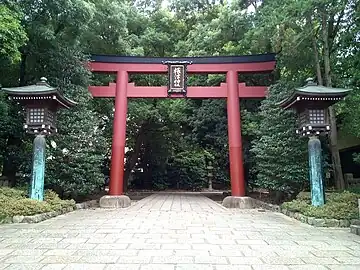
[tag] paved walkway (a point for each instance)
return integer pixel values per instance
(175, 232)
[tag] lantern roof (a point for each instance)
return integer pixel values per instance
(39, 91)
(312, 92)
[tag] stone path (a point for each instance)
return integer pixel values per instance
(176, 232)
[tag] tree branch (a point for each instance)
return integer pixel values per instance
(316, 52)
(333, 30)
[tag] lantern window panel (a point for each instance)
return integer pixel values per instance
(317, 116)
(36, 115)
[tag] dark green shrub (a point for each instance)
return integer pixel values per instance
(333, 210)
(12, 193)
(339, 205)
(296, 205)
(14, 202)
(354, 190)
(280, 155)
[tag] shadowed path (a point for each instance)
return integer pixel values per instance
(170, 231)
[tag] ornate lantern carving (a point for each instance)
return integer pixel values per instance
(41, 101)
(311, 103)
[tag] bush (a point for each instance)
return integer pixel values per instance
(296, 205)
(333, 210)
(280, 154)
(304, 196)
(14, 202)
(339, 205)
(354, 190)
(12, 193)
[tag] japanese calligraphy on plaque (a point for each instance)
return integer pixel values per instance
(177, 77)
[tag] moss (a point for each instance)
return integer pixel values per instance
(14, 202)
(339, 205)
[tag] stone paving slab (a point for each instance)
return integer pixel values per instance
(170, 231)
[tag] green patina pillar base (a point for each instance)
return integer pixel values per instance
(38, 169)
(316, 172)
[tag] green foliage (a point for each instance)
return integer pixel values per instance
(74, 161)
(354, 190)
(13, 193)
(169, 141)
(12, 34)
(14, 202)
(73, 167)
(280, 154)
(342, 205)
(190, 169)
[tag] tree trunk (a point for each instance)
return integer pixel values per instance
(317, 63)
(126, 179)
(147, 180)
(133, 158)
(316, 52)
(22, 71)
(10, 166)
(335, 156)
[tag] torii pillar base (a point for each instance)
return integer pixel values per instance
(111, 201)
(239, 202)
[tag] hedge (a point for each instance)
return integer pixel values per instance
(14, 202)
(339, 205)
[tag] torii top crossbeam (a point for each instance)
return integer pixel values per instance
(208, 65)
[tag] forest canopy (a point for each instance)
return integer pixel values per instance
(173, 143)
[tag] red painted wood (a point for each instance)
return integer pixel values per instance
(194, 68)
(234, 132)
(116, 186)
(207, 92)
(232, 90)
(252, 91)
(103, 91)
(193, 91)
(146, 91)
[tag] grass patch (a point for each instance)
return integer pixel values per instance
(14, 202)
(339, 205)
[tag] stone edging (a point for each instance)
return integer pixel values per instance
(87, 204)
(44, 216)
(316, 222)
(355, 229)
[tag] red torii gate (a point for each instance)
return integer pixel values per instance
(231, 89)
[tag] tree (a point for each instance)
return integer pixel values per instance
(12, 34)
(305, 34)
(55, 30)
(280, 155)
(74, 161)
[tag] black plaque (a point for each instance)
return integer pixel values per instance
(177, 77)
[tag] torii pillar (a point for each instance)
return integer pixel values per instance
(234, 134)
(237, 198)
(116, 198)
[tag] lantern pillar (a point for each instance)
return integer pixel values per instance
(38, 169)
(316, 171)
(41, 101)
(116, 199)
